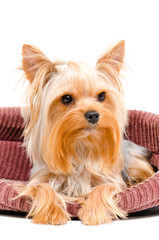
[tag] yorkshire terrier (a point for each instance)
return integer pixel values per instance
(75, 123)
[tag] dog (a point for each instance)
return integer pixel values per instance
(75, 120)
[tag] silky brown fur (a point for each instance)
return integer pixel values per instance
(74, 160)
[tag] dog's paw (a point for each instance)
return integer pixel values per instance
(100, 207)
(93, 216)
(59, 218)
(56, 216)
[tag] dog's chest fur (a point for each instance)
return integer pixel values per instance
(73, 185)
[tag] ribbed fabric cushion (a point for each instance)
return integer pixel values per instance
(11, 124)
(143, 129)
(14, 163)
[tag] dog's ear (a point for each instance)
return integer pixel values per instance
(34, 62)
(112, 58)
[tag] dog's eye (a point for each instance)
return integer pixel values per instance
(101, 96)
(67, 99)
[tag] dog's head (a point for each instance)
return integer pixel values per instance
(77, 112)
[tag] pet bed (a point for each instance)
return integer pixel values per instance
(143, 129)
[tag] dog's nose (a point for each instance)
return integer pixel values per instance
(92, 116)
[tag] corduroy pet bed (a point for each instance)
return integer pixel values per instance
(143, 129)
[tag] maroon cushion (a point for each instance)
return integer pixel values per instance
(143, 129)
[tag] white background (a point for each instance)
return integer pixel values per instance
(72, 29)
(82, 29)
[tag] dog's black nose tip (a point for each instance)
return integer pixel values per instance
(92, 116)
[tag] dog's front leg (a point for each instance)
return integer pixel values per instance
(100, 206)
(48, 207)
